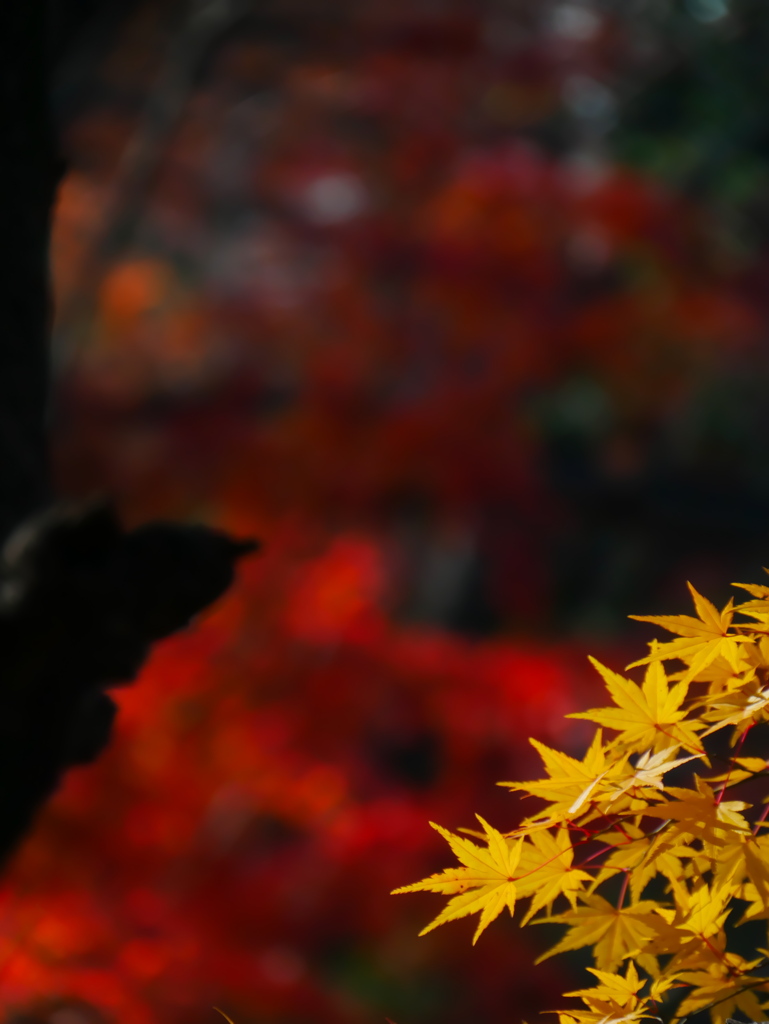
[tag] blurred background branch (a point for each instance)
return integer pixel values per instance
(192, 28)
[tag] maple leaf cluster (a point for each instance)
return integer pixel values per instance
(226, 850)
(371, 314)
(655, 876)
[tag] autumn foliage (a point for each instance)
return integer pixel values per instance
(228, 848)
(656, 876)
(391, 306)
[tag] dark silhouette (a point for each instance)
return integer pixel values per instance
(29, 171)
(80, 604)
(81, 601)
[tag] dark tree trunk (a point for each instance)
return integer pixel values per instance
(28, 175)
(81, 601)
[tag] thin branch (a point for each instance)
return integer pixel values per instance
(202, 23)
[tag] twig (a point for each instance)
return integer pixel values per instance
(203, 22)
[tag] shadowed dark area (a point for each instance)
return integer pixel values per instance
(80, 600)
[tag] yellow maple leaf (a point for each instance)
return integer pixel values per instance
(756, 589)
(630, 846)
(722, 983)
(701, 640)
(757, 908)
(671, 858)
(612, 988)
(741, 768)
(545, 871)
(703, 845)
(484, 883)
(700, 813)
(647, 716)
(648, 774)
(571, 783)
(758, 609)
(613, 933)
(746, 858)
(596, 1017)
(705, 909)
(613, 998)
(750, 702)
(643, 857)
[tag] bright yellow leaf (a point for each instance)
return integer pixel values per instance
(545, 871)
(702, 640)
(700, 813)
(612, 988)
(614, 934)
(484, 883)
(706, 909)
(572, 784)
(746, 858)
(758, 609)
(721, 980)
(749, 703)
(647, 774)
(647, 716)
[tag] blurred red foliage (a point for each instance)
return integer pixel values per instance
(271, 781)
(458, 382)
